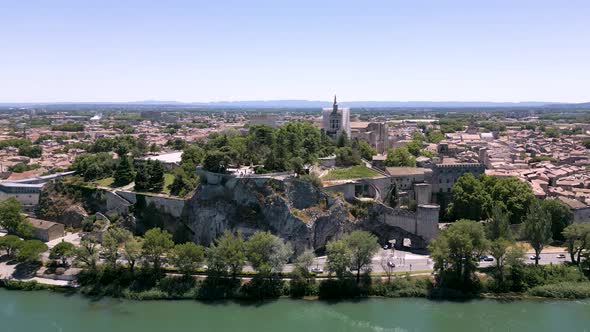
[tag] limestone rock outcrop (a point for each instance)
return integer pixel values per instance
(292, 209)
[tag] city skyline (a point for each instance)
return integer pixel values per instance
(501, 51)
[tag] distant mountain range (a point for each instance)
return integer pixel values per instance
(316, 104)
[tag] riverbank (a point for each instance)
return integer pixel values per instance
(255, 288)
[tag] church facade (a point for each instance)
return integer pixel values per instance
(336, 119)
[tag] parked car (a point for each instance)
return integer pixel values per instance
(390, 263)
(486, 258)
(561, 256)
(533, 257)
(317, 269)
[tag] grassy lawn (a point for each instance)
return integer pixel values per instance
(106, 182)
(168, 179)
(354, 172)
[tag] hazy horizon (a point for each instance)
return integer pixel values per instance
(203, 51)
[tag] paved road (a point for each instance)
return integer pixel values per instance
(408, 261)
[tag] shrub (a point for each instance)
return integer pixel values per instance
(260, 288)
(563, 290)
(402, 287)
(338, 289)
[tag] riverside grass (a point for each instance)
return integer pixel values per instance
(562, 290)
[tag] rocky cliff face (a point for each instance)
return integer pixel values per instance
(292, 209)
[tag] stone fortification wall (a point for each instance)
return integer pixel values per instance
(423, 222)
(120, 201)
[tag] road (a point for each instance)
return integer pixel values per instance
(408, 261)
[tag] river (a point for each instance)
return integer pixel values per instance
(41, 311)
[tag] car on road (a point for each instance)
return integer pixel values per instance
(533, 257)
(317, 269)
(486, 258)
(561, 256)
(390, 263)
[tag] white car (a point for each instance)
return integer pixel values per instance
(561, 256)
(533, 257)
(317, 270)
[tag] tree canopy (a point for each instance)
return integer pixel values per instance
(474, 198)
(353, 252)
(227, 254)
(537, 228)
(156, 243)
(400, 157)
(561, 217)
(456, 251)
(267, 253)
(12, 220)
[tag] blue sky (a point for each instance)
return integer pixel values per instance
(468, 50)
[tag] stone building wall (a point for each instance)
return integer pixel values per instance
(445, 175)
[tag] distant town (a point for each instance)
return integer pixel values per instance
(326, 192)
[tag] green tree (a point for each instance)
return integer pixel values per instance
(498, 249)
(342, 140)
(305, 260)
(339, 258)
(12, 220)
(471, 200)
(10, 244)
(346, 157)
(267, 253)
(418, 136)
(62, 251)
(154, 148)
(227, 254)
(400, 157)
(498, 226)
(561, 217)
(414, 147)
(362, 246)
(435, 136)
(393, 195)
(185, 180)
(142, 178)
(94, 165)
(156, 244)
(192, 154)
(511, 193)
(537, 228)
(296, 164)
(31, 151)
(187, 257)
(577, 240)
(456, 251)
(132, 251)
(122, 149)
(112, 240)
(156, 176)
(365, 149)
(30, 250)
(124, 172)
(216, 162)
(87, 253)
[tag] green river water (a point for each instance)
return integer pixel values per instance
(44, 312)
